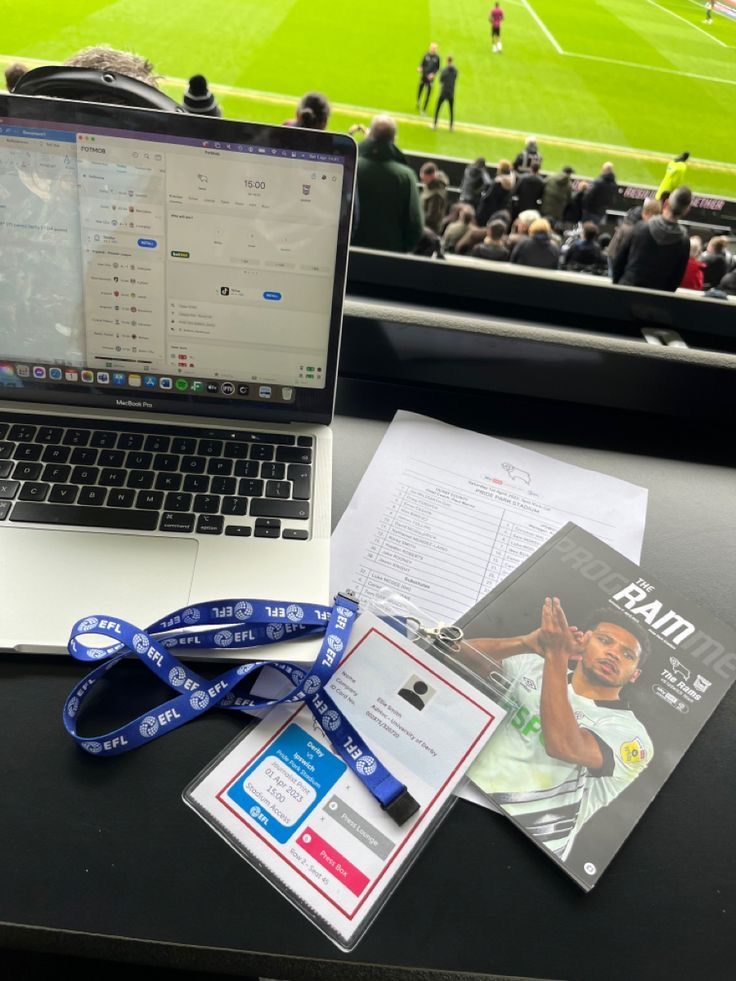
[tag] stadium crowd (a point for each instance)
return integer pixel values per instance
(518, 215)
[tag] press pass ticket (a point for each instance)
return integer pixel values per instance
(284, 799)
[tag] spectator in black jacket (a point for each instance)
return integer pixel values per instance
(475, 180)
(600, 196)
(493, 245)
(728, 283)
(538, 249)
(655, 254)
(313, 112)
(528, 156)
(528, 192)
(428, 68)
(496, 197)
(433, 195)
(715, 262)
(650, 209)
(584, 252)
(557, 194)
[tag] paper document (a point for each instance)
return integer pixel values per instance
(442, 515)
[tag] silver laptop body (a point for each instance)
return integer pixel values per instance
(171, 293)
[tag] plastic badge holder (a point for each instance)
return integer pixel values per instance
(340, 831)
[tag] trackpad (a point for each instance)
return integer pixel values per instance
(51, 578)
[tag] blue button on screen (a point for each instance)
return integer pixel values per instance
(147, 243)
(271, 296)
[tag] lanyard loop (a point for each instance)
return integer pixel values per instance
(229, 624)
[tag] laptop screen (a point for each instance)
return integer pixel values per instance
(165, 261)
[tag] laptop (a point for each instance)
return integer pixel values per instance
(171, 293)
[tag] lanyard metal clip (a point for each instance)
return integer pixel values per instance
(446, 634)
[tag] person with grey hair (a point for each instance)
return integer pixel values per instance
(656, 252)
(106, 59)
(390, 210)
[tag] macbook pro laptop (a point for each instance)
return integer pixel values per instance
(171, 292)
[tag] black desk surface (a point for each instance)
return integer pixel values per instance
(102, 859)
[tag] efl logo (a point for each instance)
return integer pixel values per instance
(297, 676)
(244, 669)
(149, 726)
(275, 631)
(294, 613)
(331, 721)
(92, 747)
(177, 677)
(312, 684)
(334, 643)
(243, 610)
(141, 643)
(199, 700)
(94, 653)
(223, 638)
(190, 615)
(344, 611)
(72, 707)
(366, 765)
(87, 624)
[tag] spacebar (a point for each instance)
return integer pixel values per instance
(68, 514)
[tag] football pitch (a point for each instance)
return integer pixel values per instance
(633, 81)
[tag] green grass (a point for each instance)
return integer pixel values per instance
(583, 104)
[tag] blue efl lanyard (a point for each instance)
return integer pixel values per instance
(232, 624)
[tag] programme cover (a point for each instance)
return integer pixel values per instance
(614, 675)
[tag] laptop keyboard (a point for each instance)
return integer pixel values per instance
(100, 474)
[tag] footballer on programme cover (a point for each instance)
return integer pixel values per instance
(612, 676)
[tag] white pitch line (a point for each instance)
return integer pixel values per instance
(689, 23)
(651, 68)
(542, 26)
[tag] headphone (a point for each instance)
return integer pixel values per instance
(92, 85)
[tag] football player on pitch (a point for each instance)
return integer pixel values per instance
(428, 68)
(573, 744)
(495, 16)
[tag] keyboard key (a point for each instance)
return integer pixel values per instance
(111, 477)
(157, 444)
(206, 504)
(4, 509)
(61, 514)
(6, 450)
(210, 524)
(178, 502)
(279, 509)
(139, 461)
(32, 491)
(27, 451)
(245, 468)
(193, 464)
(304, 441)
(130, 441)
(182, 444)
(121, 498)
(56, 473)
(219, 467)
(280, 438)
(210, 447)
(176, 522)
(49, 434)
(238, 531)
(4, 427)
(293, 454)
(76, 437)
(301, 481)
(8, 489)
(149, 500)
(278, 488)
(103, 439)
(22, 433)
(237, 451)
(223, 485)
(234, 505)
(85, 475)
(63, 494)
(197, 482)
(85, 455)
(166, 461)
(299, 534)
(265, 531)
(250, 488)
(56, 454)
(92, 495)
(273, 471)
(27, 471)
(111, 458)
(142, 479)
(5, 467)
(168, 481)
(262, 451)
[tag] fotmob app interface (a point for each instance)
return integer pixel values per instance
(208, 260)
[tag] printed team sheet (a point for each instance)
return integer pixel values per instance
(443, 514)
(289, 804)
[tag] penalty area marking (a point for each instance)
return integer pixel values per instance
(689, 23)
(542, 26)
